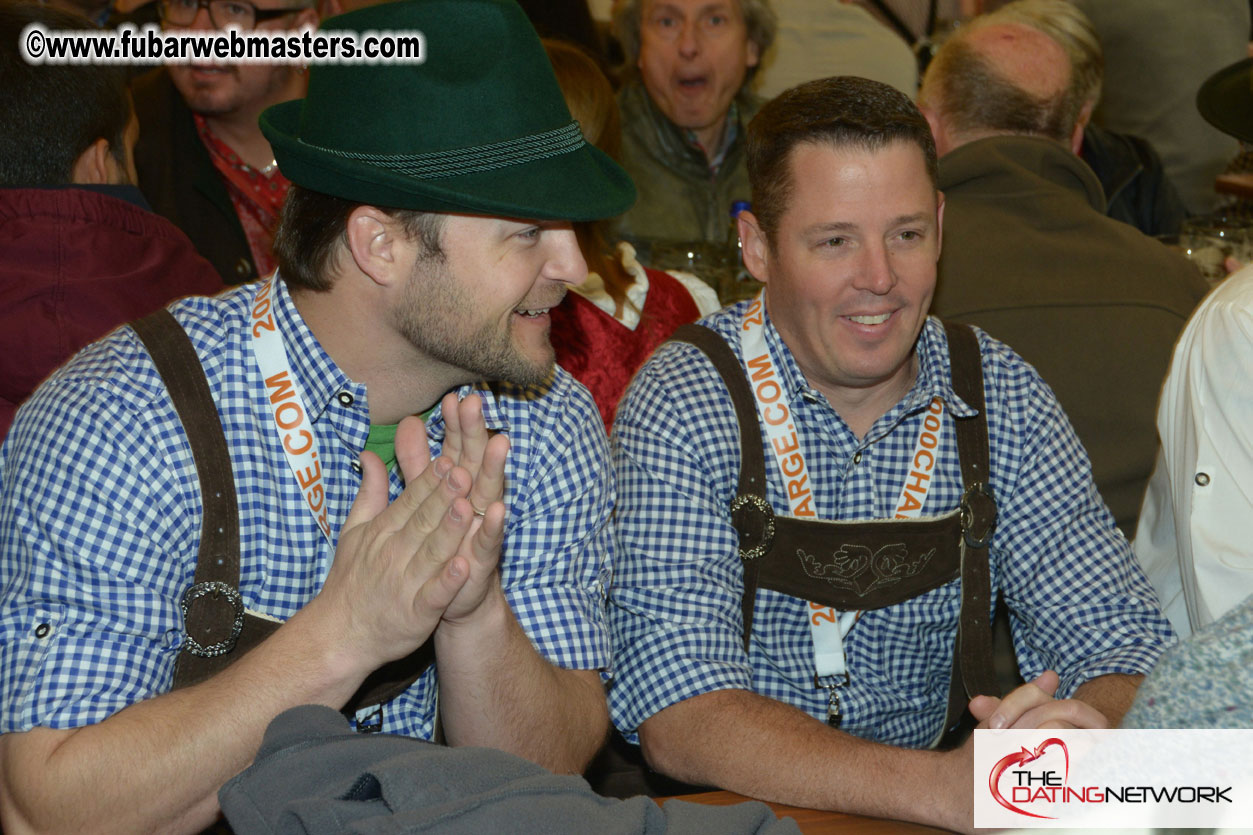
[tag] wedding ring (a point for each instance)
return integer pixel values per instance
(477, 512)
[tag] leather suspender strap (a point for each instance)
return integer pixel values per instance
(218, 629)
(213, 611)
(972, 657)
(212, 608)
(973, 654)
(756, 528)
(753, 471)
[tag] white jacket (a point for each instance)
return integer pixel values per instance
(1195, 535)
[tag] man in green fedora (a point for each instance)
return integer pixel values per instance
(425, 239)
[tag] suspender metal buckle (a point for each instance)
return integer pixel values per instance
(218, 590)
(754, 518)
(978, 515)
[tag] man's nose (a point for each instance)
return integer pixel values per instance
(202, 20)
(689, 39)
(876, 273)
(565, 262)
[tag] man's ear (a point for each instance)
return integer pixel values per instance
(375, 244)
(92, 166)
(1076, 137)
(754, 246)
(753, 51)
(938, 131)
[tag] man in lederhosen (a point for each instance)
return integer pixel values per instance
(425, 238)
(800, 612)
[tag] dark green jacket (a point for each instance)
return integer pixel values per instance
(678, 198)
(1030, 256)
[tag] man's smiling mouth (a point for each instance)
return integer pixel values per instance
(877, 319)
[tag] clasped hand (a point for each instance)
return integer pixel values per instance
(1032, 706)
(1029, 706)
(431, 554)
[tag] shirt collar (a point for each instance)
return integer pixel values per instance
(317, 374)
(494, 416)
(667, 140)
(593, 289)
(730, 131)
(794, 382)
(935, 372)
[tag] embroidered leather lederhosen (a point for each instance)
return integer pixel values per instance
(218, 629)
(853, 566)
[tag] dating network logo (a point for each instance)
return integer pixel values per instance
(1033, 785)
(1111, 778)
(1034, 779)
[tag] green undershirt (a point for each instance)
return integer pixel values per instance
(382, 440)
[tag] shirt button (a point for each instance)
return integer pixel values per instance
(356, 466)
(1202, 479)
(857, 458)
(43, 630)
(344, 398)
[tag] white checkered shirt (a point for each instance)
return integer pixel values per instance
(1079, 603)
(100, 516)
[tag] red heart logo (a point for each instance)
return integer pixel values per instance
(1023, 757)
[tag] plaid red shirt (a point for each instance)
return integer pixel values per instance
(257, 196)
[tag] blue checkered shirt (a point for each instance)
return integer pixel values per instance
(100, 516)
(1079, 603)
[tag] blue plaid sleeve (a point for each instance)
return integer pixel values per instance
(559, 545)
(1078, 600)
(88, 617)
(675, 602)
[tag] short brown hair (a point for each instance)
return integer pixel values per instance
(843, 111)
(54, 112)
(312, 226)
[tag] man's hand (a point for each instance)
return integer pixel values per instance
(467, 444)
(398, 566)
(1032, 706)
(495, 688)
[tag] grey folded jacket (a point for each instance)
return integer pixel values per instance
(314, 776)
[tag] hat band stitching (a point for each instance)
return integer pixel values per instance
(452, 163)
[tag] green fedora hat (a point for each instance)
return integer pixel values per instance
(479, 127)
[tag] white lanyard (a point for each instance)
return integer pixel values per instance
(286, 405)
(922, 464)
(827, 627)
